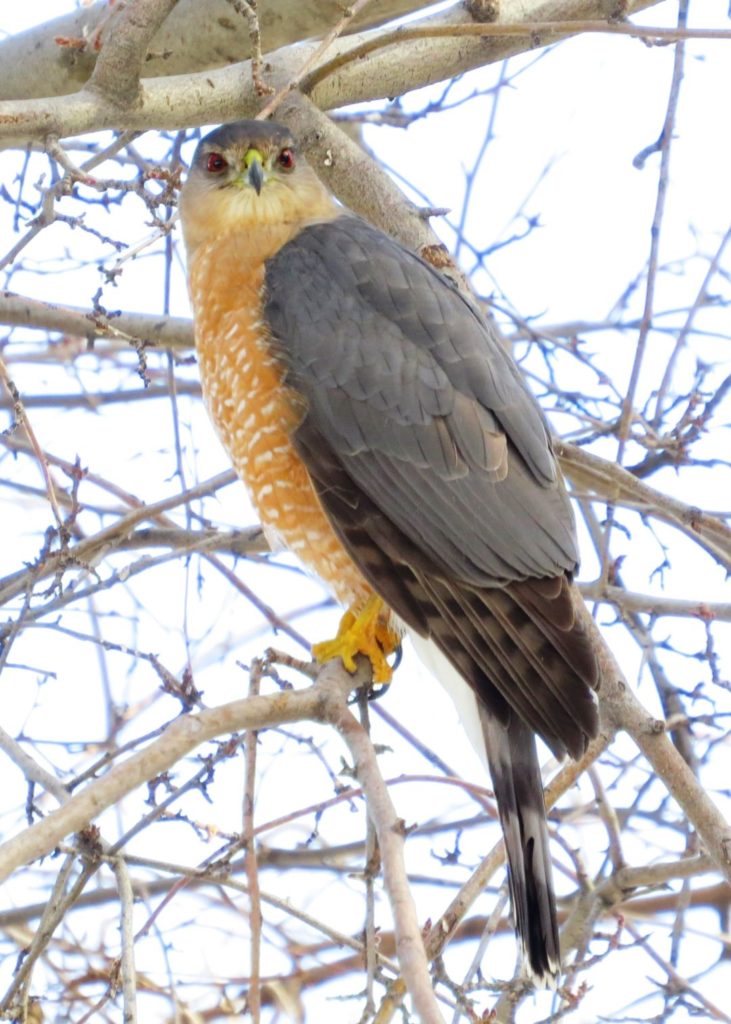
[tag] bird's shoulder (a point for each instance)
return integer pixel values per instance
(356, 310)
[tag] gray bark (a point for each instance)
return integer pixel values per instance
(198, 34)
(228, 93)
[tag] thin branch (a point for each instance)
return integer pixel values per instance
(540, 33)
(371, 869)
(250, 855)
(30, 768)
(706, 611)
(391, 831)
(127, 959)
(664, 144)
(21, 419)
(164, 332)
(249, 10)
(610, 482)
(678, 983)
(621, 708)
(297, 78)
(89, 551)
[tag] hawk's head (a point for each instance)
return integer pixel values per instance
(249, 174)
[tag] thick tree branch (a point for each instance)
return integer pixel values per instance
(360, 183)
(119, 65)
(229, 93)
(57, 57)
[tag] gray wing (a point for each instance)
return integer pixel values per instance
(434, 465)
(433, 462)
(415, 394)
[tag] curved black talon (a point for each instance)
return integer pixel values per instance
(376, 692)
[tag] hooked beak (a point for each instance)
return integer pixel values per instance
(254, 169)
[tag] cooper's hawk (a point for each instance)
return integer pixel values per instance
(389, 441)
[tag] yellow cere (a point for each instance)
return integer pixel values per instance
(252, 155)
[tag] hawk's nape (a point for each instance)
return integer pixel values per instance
(418, 446)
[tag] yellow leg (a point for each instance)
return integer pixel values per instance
(365, 633)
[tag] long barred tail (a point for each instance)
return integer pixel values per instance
(516, 778)
(509, 754)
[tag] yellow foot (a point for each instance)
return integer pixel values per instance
(366, 633)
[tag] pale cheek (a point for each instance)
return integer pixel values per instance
(208, 211)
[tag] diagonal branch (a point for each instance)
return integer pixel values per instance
(117, 73)
(621, 709)
(611, 482)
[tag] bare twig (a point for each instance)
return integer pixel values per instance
(22, 421)
(127, 958)
(329, 38)
(249, 10)
(250, 854)
(664, 145)
(173, 332)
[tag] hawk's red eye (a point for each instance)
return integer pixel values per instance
(286, 159)
(216, 163)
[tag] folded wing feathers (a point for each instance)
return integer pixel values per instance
(434, 464)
